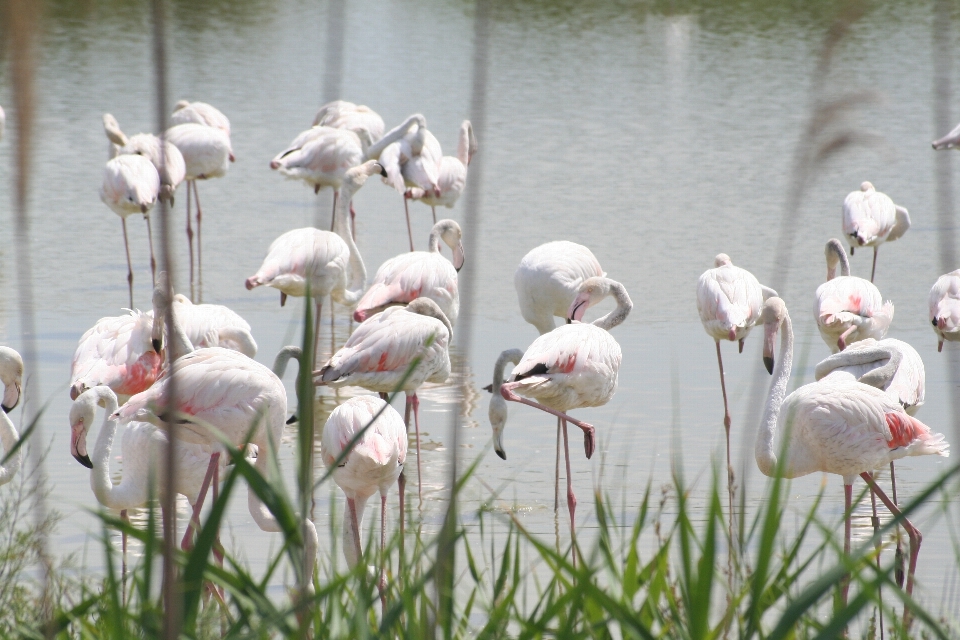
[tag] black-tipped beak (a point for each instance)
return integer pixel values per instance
(383, 172)
(768, 363)
(292, 419)
(84, 460)
(157, 345)
(6, 409)
(489, 388)
(502, 454)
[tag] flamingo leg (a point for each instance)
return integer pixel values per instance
(556, 483)
(414, 402)
(589, 432)
(196, 197)
(316, 330)
(914, 534)
(726, 426)
(333, 214)
(434, 209)
(847, 501)
(382, 584)
(352, 506)
(898, 557)
(571, 498)
(402, 486)
(190, 234)
(353, 222)
(406, 209)
(126, 246)
(153, 261)
(123, 561)
(217, 547)
(187, 543)
(874, 269)
(878, 546)
(842, 340)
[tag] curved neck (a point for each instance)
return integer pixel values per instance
(240, 337)
(9, 438)
(129, 492)
(466, 145)
(280, 363)
(839, 256)
(512, 356)
(765, 451)
(261, 515)
(351, 534)
(882, 376)
(618, 315)
(433, 242)
(393, 135)
(356, 270)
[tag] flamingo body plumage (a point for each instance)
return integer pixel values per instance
(185, 112)
(870, 218)
(131, 185)
(548, 279)
(944, 304)
(729, 300)
(11, 375)
(452, 176)
(360, 119)
(116, 352)
(206, 151)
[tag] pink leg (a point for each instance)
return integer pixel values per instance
(434, 209)
(187, 543)
(415, 403)
(556, 482)
(190, 183)
(726, 426)
(898, 557)
(196, 197)
(406, 209)
(571, 499)
(402, 486)
(217, 547)
(842, 340)
(333, 215)
(382, 584)
(873, 271)
(940, 346)
(589, 437)
(316, 330)
(353, 222)
(153, 261)
(914, 534)
(848, 501)
(878, 545)
(126, 246)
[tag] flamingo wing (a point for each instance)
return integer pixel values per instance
(206, 151)
(116, 352)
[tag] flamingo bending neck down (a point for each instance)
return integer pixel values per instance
(11, 375)
(374, 463)
(870, 218)
(166, 158)
(419, 274)
(944, 303)
(836, 425)
(452, 178)
(573, 366)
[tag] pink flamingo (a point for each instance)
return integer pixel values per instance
(944, 302)
(116, 352)
(199, 113)
(359, 118)
(870, 218)
(380, 353)
(453, 174)
(11, 375)
(169, 164)
(419, 274)
(848, 308)
(729, 300)
(373, 463)
(836, 425)
(573, 366)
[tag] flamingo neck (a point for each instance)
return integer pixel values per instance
(280, 363)
(765, 451)
(349, 533)
(463, 144)
(129, 492)
(836, 255)
(618, 315)
(374, 151)
(240, 337)
(9, 438)
(261, 515)
(356, 270)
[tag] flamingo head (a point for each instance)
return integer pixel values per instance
(452, 237)
(82, 413)
(592, 291)
(772, 315)
(721, 260)
(11, 374)
(498, 420)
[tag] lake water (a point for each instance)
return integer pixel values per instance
(656, 134)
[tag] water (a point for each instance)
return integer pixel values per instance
(658, 137)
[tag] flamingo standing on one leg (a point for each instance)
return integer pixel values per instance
(326, 263)
(453, 174)
(131, 185)
(836, 425)
(870, 218)
(11, 375)
(373, 463)
(729, 300)
(419, 274)
(380, 353)
(944, 302)
(573, 366)
(848, 308)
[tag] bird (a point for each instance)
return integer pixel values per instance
(364, 444)
(729, 300)
(131, 185)
(573, 366)
(949, 141)
(207, 153)
(11, 375)
(453, 174)
(169, 164)
(322, 155)
(319, 262)
(944, 304)
(836, 425)
(381, 354)
(848, 308)
(870, 218)
(548, 279)
(199, 113)
(361, 119)
(419, 274)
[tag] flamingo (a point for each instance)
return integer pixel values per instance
(848, 308)
(573, 366)
(131, 185)
(323, 262)
(361, 119)
(380, 353)
(419, 274)
(870, 218)
(949, 141)
(116, 352)
(549, 278)
(729, 300)
(944, 304)
(836, 425)
(11, 375)
(200, 113)
(322, 155)
(207, 153)
(453, 174)
(169, 164)
(374, 462)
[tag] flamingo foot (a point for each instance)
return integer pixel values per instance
(589, 432)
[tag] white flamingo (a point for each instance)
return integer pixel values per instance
(131, 185)
(117, 352)
(836, 425)
(380, 353)
(11, 375)
(169, 164)
(848, 308)
(199, 113)
(573, 366)
(944, 302)
(359, 118)
(419, 274)
(207, 153)
(729, 300)
(453, 174)
(329, 263)
(322, 155)
(870, 218)
(374, 463)
(549, 278)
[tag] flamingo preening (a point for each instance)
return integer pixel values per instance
(870, 218)
(358, 118)
(11, 375)
(837, 425)
(944, 303)
(848, 308)
(166, 158)
(419, 274)
(452, 178)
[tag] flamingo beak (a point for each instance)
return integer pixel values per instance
(498, 445)
(233, 158)
(769, 339)
(78, 445)
(578, 307)
(11, 397)
(941, 323)
(458, 257)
